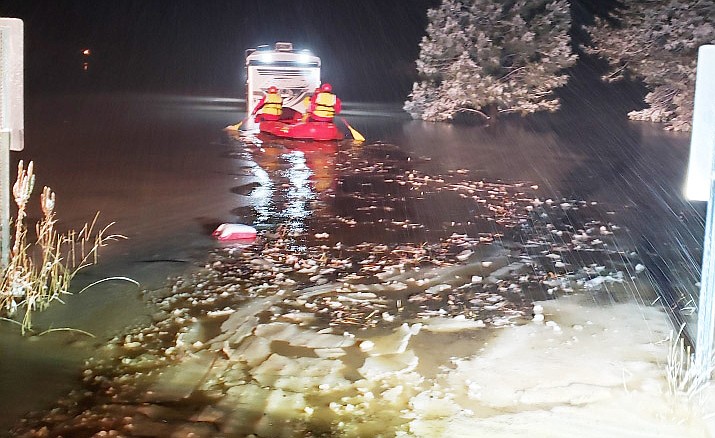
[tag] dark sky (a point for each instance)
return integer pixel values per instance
(368, 47)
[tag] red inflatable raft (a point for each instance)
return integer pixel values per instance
(319, 131)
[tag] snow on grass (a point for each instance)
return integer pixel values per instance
(589, 371)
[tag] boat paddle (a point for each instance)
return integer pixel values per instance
(356, 135)
(235, 127)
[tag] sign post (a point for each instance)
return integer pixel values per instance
(700, 187)
(12, 118)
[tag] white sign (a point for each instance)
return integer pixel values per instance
(12, 117)
(702, 139)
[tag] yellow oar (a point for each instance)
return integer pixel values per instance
(356, 135)
(235, 127)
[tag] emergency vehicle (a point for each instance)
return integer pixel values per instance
(296, 74)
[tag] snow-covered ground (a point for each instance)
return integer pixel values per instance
(586, 370)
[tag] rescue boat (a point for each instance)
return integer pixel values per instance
(299, 130)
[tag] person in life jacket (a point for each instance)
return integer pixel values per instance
(324, 105)
(270, 106)
(307, 102)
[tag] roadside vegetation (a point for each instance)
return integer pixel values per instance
(39, 272)
(491, 57)
(485, 57)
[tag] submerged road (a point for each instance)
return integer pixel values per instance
(161, 168)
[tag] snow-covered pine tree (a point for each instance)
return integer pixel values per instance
(479, 54)
(657, 40)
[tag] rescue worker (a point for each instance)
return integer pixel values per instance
(270, 105)
(324, 105)
(308, 102)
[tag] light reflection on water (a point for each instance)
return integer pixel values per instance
(289, 177)
(299, 193)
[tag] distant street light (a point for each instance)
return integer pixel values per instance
(85, 64)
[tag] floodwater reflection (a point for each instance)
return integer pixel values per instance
(290, 177)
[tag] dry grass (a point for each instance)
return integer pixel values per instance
(40, 272)
(683, 375)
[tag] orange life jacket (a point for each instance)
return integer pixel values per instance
(273, 105)
(325, 105)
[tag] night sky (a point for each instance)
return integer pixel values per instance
(368, 47)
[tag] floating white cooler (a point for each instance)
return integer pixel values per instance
(234, 232)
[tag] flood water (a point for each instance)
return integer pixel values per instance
(436, 280)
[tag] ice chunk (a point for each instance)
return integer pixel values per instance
(298, 374)
(295, 336)
(298, 317)
(395, 342)
(285, 404)
(330, 353)
(242, 321)
(464, 255)
(181, 380)
(432, 404)
(446, 325)
(311, 339)
(244, 405)
(438, 288)
(252, 352)
(378, 367)
(277, 331)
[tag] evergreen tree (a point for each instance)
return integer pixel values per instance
(480, 54)
(657, 40)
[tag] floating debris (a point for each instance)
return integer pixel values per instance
(310, 333)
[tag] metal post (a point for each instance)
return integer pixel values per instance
(700, 186)
(12, 118)
(4, 199)
(706, 301)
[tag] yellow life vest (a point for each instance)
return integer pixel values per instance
(325, 105)
(273, 105)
